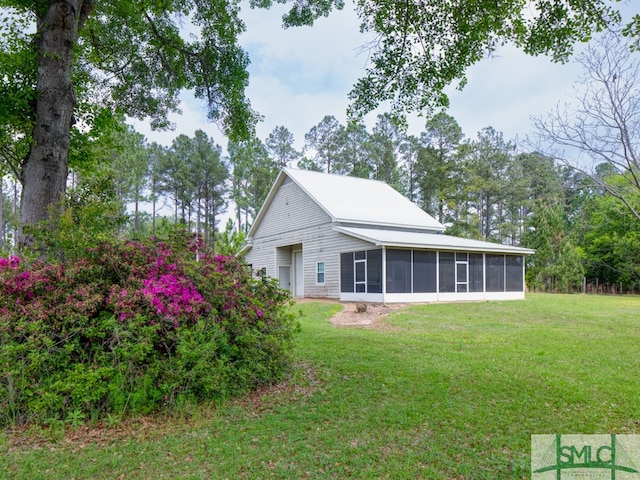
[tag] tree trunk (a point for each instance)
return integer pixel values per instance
(238, 215)
(487, 221)
(44, 174)
(212, 237)
(136, 218)
(153, 217)
(198, 218)
(2, 233)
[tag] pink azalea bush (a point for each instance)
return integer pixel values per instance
(133, 327)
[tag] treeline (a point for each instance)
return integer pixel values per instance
(482, 187)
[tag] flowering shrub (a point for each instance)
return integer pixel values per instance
(135, 326)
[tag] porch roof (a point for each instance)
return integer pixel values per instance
(424, 240)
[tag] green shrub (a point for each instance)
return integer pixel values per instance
(134, 327)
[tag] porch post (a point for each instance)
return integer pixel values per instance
(384, 274)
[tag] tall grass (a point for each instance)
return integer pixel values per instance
(437, 392)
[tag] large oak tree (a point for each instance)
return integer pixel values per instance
(65, 60)
(62, 60)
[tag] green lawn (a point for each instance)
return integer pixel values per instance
(441, 392)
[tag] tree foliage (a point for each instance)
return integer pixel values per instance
(325, 140)
(252, 176)
(436, 163)
(280, 147)
(611, 238)
(419, 48)
(68, 62)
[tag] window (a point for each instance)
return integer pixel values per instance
(320, 273)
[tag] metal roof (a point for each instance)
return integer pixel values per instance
(362, 201)
(398, 238)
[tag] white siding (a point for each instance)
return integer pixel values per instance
(293, 221)
(319, 244)
(325, 245)
(290, 211)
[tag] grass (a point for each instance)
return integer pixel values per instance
(441, 392)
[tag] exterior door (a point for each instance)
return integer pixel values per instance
(284, 277)
(299, 284)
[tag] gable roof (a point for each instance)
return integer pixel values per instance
(355, 200)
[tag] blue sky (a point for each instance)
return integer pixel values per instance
(299, 75)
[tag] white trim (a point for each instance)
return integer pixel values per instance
(430, 297)
(356, 261)
(361, 297)
(298, 290)
(437, 270)
(384, 274)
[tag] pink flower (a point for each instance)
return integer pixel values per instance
(11, 262)
(173, 296)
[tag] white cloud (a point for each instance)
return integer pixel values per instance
(506, 91)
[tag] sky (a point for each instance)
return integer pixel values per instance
(299, 75)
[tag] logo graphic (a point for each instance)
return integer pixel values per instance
(585, 457)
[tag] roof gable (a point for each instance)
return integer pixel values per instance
(362, 201)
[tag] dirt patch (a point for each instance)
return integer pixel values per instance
(352, 315)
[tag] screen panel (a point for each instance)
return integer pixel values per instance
(515, 282)
(424, 271)
(346, 273)
(495, 273)
(447, 270)
(374, 271)
(476, 272)
(398, 271)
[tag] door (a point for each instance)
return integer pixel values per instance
(299, 283)
(284, 277)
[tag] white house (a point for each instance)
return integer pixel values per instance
(355, 239)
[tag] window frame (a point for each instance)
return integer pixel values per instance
(323, 273)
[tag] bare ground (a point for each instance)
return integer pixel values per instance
(350, 316)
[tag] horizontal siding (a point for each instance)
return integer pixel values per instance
(319, 244)
(290, 211)
(326, 246)
(262, 256)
